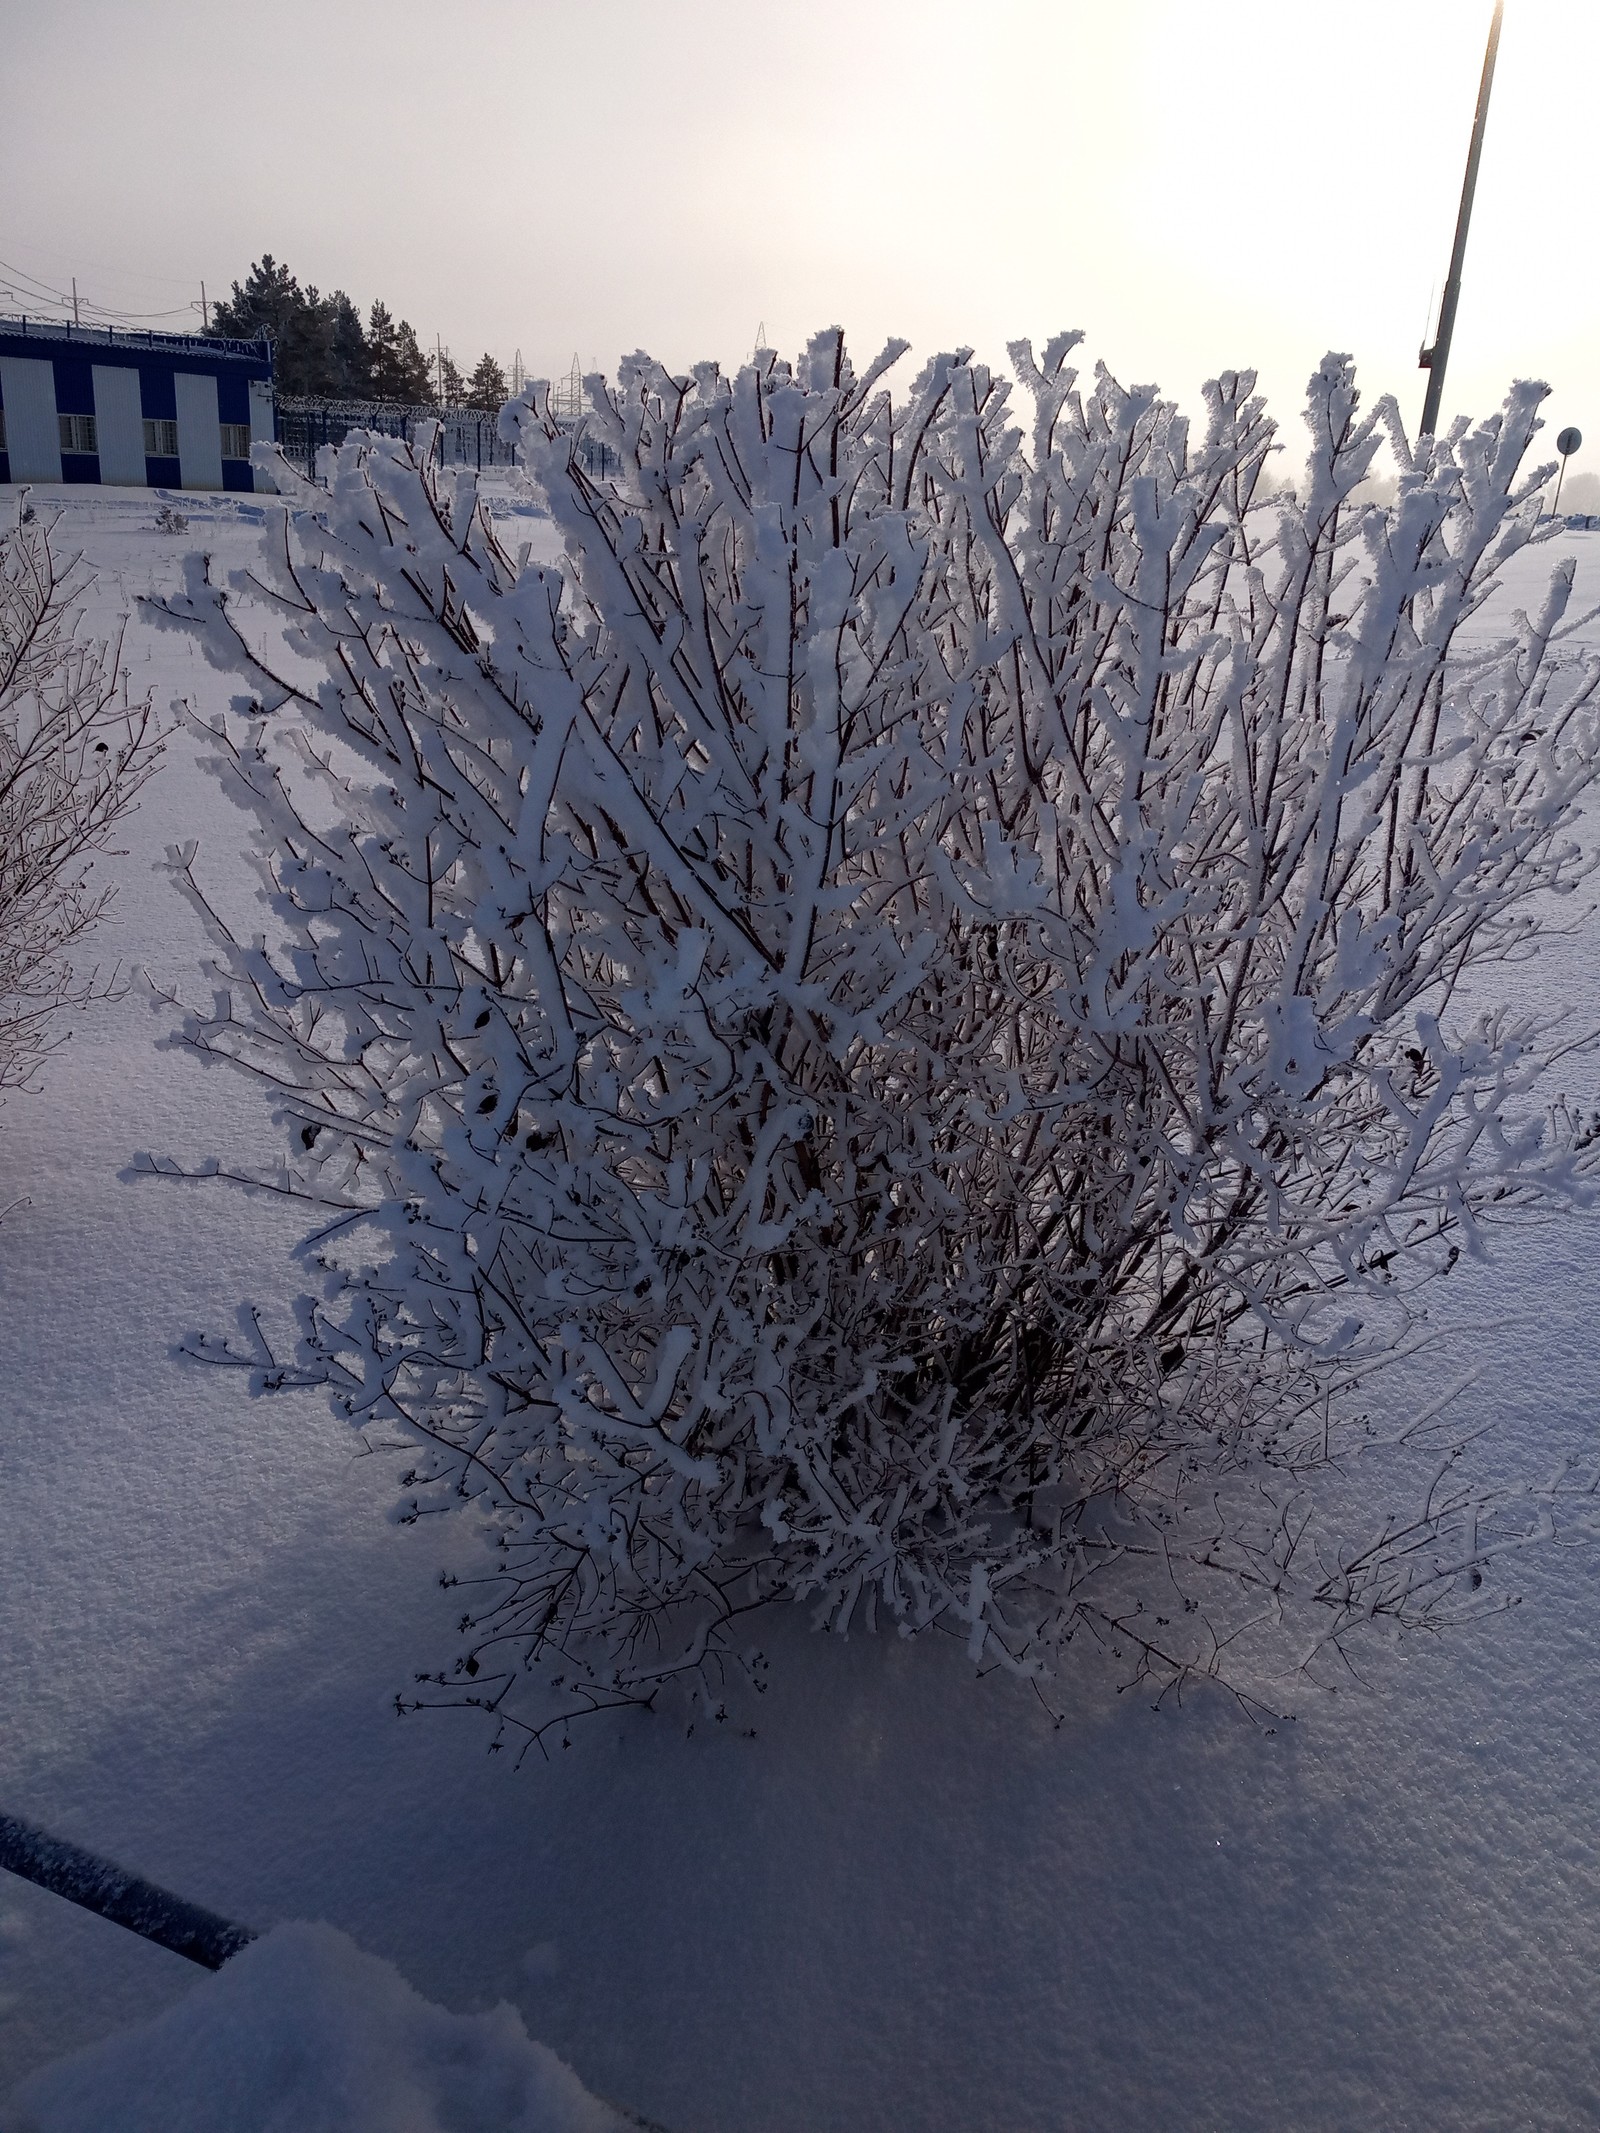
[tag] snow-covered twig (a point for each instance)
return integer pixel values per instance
(74, 754)
(897, 1020)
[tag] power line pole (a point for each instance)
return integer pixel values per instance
(1434, 359)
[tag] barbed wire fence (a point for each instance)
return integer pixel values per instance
(464, 436)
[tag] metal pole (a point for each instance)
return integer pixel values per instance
(1434, 359)
(126, 1899)
(1569, 441)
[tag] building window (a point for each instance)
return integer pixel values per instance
(236, 440)
(77, 433)
(160, 440)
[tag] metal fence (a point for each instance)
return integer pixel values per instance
(465, 436)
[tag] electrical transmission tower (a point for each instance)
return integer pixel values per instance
(566, 395)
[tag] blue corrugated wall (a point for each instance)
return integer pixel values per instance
(72, 368)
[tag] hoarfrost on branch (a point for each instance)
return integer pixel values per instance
(900, 1032)
(74, 753)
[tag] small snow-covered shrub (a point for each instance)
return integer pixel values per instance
(73, 757)
(896, 1031)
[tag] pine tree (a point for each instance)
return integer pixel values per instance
(452, 385)
(314, 327)
(269, 298)
(383, 360)
(414, 371)
(350, 366)
(271, 302)
(320, 347)
(487, 386)
(399, 369)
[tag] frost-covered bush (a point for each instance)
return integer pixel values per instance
(891, 1035)
(73, 756)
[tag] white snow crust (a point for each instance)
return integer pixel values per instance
(913, 1898)
(304, 2033)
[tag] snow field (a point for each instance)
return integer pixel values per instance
(913, 1898)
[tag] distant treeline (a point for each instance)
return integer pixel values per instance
(323, 351)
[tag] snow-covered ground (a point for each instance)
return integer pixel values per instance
(913, 1899)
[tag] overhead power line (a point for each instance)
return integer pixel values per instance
(28, 289)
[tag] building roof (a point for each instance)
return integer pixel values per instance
(41, 337)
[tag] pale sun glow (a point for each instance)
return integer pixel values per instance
(1199, 185)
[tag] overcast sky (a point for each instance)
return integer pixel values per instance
(1199, 183)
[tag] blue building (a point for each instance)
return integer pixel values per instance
(143, 410)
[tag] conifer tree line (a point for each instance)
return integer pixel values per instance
(323, 351)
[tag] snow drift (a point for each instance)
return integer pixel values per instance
(306, 2033)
